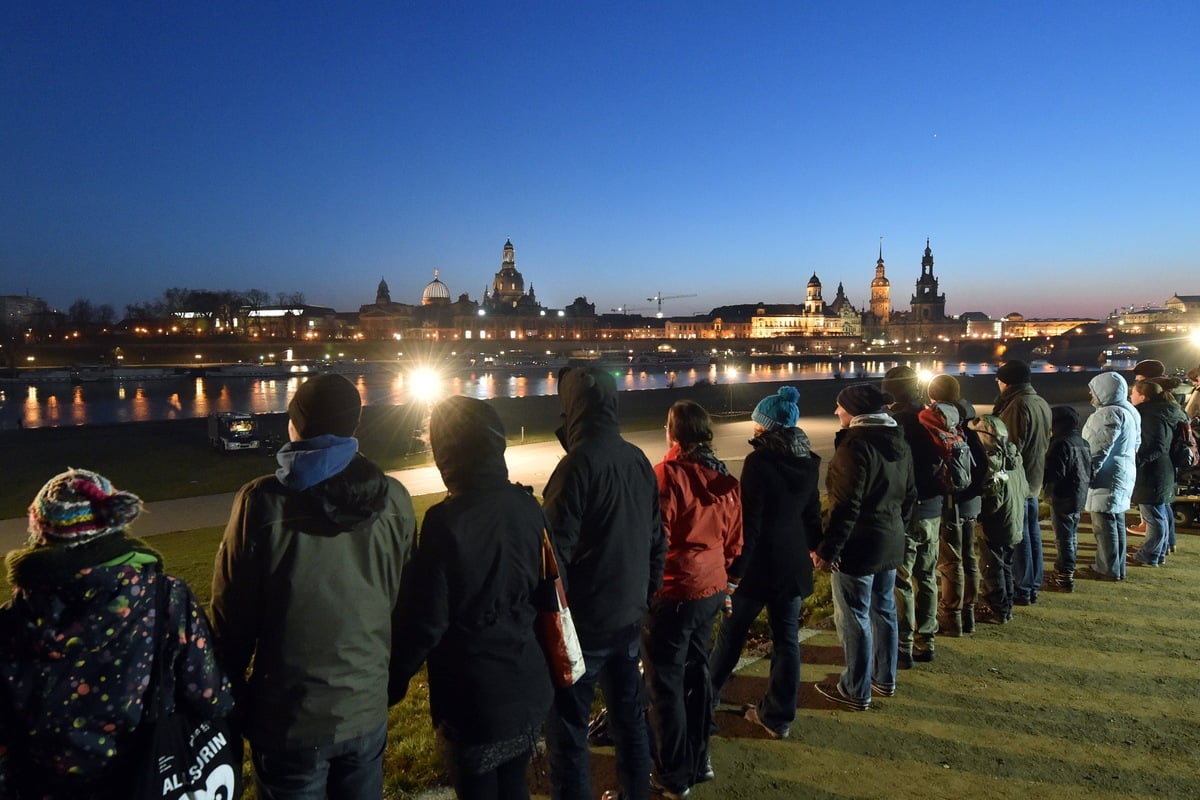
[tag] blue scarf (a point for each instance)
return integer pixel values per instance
(307, 462)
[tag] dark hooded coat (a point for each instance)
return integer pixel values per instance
(781, 513)
(306, 583)
(872, 495)
(1068, 462)
(1155, 481)
(467, 606)
(602, 505)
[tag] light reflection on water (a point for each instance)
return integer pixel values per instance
(63, 404)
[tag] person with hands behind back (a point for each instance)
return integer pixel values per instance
(872, 494)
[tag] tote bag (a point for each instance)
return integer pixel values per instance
(555, 630)
(185, 758)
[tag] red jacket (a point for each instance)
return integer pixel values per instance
(702, 515)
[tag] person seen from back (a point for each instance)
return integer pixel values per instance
(1068, 472)
(1001, 512)
(467, 608)
(1113, 434)
(781, 515)
(872, 496)
(79, 642)
(1154, 486)
(701, 507)
(305, 586)
(602, 505)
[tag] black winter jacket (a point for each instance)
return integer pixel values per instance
(1068, 462)
(781, 516)
(602, 505)
(1155, 482)
(872, 494)
(467, 598)
(926, 461)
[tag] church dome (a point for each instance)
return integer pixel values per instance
(814, 280)
(435, 292)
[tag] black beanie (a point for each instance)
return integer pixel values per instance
(901, 383)
(864, 398)
(1014, 372)
(325, 404)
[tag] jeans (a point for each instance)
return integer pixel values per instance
(1066, 534)
(1159, 518)
(958, 568)
(1109, 528)
(917, 586)
(864, 611)
(613, 664)
(778, 706)
(996, 573)
(349, 770)
(1028, 566)
(675, 651)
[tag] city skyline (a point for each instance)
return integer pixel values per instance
(626, 151)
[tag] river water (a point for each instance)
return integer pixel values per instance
(62, 404)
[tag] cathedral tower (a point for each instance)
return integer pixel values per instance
(927, 304)
(508, 287)
(881, 292)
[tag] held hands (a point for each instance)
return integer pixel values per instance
(730, 588)
(822, 564)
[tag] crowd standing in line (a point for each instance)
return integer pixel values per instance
(649, 556)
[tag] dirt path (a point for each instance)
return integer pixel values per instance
(1092, 694)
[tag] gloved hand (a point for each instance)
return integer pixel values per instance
(730, 588)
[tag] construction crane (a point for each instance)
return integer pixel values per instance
(627, 309)
(658, 298)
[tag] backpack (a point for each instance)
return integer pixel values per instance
(941, 422)
(1183, 451)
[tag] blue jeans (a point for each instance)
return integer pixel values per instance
(613, 664)
(1159, 519)
(676, 644)
(864, 611)
(917, 586)
(778, 705)
(1109, 528)
(1066, 534)
(1028, 566)
(349, 770)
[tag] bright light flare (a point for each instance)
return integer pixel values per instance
(425, 384)
(925, 375)
(1195, 337)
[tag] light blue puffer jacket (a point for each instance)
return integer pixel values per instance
(1113, 433)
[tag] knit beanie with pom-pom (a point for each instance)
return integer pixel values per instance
(780, 410)
(77, 507)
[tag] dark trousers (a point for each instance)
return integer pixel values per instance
(505, 782)
(1066, 533)
(778, 705)
(996, 574)
(675, 650)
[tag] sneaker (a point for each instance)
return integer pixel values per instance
(951, 625)
(880, 690)
(989, 616)
(1022, 601)
(780, 732)
(924, 656)
(1137, 530)
(662, 791)
(706, 772)
(904, 660)
(1134, 561)
(834, 692)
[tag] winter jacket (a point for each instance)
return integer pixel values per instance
(872, 494)
(602, 505)
(77, 648)
(1113, 433)
(1002, 513)
(781, 514)
(1155, 481)
(926, 459)
(306, 583)
(969, 501)
(701, 506)
(467, 606)
(1027, 417)
(1068, 462)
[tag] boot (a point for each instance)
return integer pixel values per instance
(949, 624)
(968, 619)
(1065, 580)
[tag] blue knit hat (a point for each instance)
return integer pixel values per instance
(780, 410)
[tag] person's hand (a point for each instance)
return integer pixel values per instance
(730, 588)
(822, 564)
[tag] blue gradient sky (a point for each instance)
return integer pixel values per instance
(727, 150)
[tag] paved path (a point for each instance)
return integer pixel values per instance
(530, 464)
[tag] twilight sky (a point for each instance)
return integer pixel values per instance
(1049, 150)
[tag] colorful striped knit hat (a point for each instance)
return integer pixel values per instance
(77, 507)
